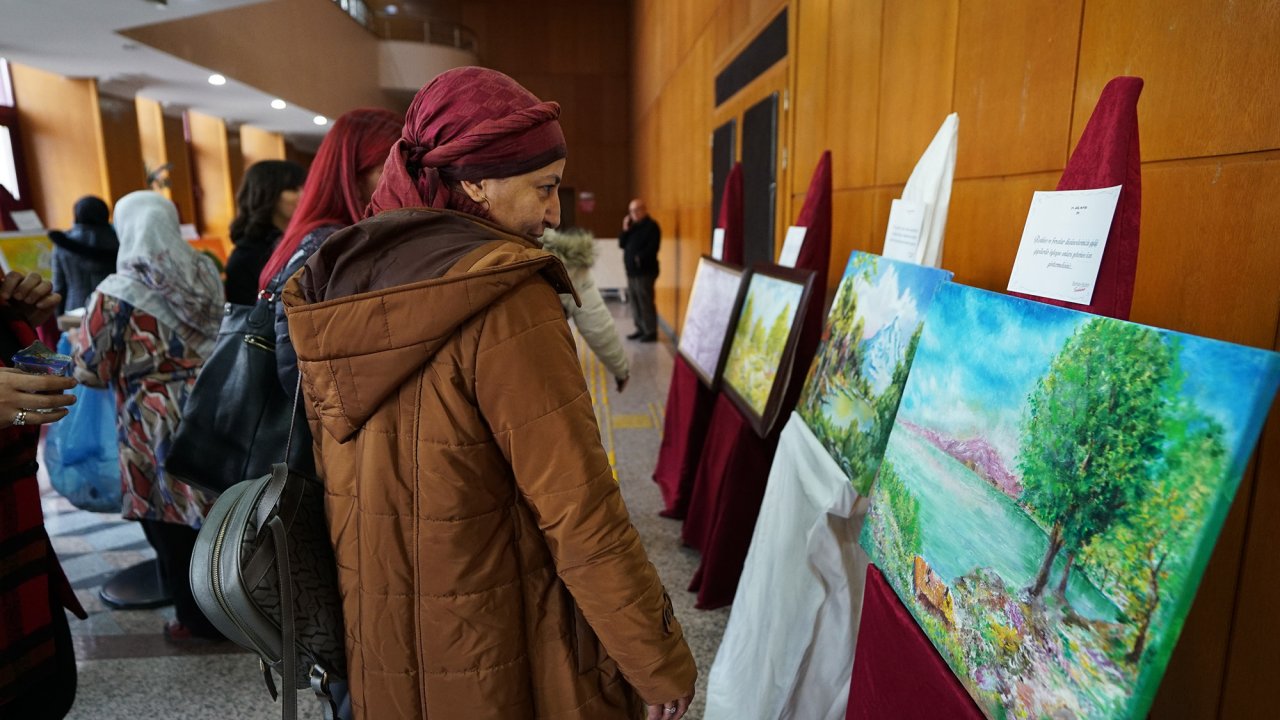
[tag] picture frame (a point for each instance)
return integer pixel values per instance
(758, 366)
(710, 317)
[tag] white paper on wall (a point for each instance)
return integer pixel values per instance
(930, 183)
(906, 225)
(791, 246)
(805, 557)
(1062, 244)
(26, 220)
(717, 244)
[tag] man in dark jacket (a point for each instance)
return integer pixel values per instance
(639, 240)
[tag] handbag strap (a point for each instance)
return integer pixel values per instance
(280, 471)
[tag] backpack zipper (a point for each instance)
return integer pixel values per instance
(217, 584)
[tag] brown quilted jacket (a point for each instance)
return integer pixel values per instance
(487, 563)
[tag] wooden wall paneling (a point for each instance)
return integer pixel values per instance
(984, 226)
(1209, 260)
(151, 133)
(257, 145)
(693, 225)
(853, 91)
(61, 140)
(181, 180)
(212, 174)
(1015, 70)
(917, 74)
(810, 50)
(851, 218)
(1250, 682)
(122, 145)
(1212, 79)
(235, 160)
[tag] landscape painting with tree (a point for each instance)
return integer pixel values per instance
(851, 395)
(762, 349)
(712, 303)
(1053, 487)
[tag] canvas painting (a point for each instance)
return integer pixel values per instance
(1053, 487)
(851, 395)
(712, 303)
(760, 352)
(26, 253)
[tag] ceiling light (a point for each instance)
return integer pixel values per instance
(216, 79)
(320, 120)
(279, 104)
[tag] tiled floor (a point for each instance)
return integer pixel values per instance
(129, 672)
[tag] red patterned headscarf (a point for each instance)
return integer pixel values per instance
(469, 123)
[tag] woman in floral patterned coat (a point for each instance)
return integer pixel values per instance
(146, 332)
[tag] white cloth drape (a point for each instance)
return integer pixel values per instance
(930, 183)
(788, 648)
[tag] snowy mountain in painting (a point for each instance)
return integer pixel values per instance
(883, 351)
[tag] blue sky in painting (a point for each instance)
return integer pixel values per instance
(894, 290)
(982, 353)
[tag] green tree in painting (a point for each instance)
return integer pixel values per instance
(776, 341)
(1139, 555)
(1092, 431)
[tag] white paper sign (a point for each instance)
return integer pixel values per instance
(188, 231)
(906, 227)
(791, 246)
(717, 243)
(26, 220)
(1062, 244)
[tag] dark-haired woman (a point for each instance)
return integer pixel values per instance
(265, 204)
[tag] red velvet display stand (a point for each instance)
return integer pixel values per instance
(689, 402)
(1106, 156)
(735, 462)
(897, 673)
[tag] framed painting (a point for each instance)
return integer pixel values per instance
(1051, 492)
(26, 252)
(714, 301)
(851, 394)
(762, 349)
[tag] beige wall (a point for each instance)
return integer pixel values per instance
(871, 80)
(257, 145)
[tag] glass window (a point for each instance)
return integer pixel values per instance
(8, 163)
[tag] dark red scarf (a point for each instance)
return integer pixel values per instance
(470, 123)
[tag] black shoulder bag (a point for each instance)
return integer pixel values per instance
(238, 416)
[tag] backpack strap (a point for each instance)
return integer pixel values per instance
(288, 646)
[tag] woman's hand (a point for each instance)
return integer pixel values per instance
(673, 710)
(23, 395)
(31, 295)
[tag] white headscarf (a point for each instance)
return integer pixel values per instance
(159, 273)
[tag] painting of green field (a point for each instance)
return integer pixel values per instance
(760, 339)
(857, 378)
(1053, 486)
(26, 253)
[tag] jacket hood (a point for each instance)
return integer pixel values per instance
(575, 248)
(379, 299)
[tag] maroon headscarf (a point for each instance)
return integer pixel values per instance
(469, 123)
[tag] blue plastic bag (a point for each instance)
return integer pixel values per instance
(81, 453)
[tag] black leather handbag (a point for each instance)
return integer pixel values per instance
(238, 416)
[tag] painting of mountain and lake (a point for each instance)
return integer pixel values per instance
(1052, 488)
(857, 378)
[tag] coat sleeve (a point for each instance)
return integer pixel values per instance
(596, 325)
(530, 389)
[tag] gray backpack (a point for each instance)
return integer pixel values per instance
(263, 572)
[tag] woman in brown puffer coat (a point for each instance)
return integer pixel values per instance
(488, 566)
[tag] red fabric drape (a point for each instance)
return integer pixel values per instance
(684, 429)
(735, 463)
(1106, 156)
(731, 217)
(689, 402)
(897, 673)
